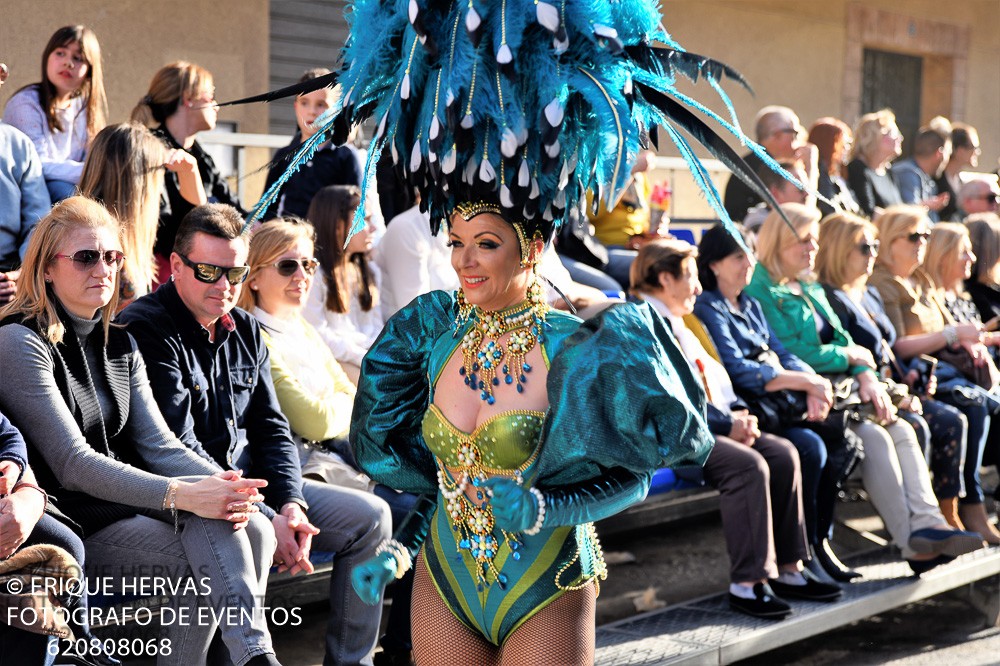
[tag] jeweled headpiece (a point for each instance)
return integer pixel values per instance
(525, 103)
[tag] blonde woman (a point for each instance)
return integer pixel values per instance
(924, 326)
(877, 142)
(313, 390)
(894, 470)
(798, 312)
(124, 171)
(180, 103)
(77, 389)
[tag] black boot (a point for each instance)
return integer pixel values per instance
(823, 553)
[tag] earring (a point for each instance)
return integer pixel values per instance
(48, 280)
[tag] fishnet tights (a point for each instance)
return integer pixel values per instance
(560, 634)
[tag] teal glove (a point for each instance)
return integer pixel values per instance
(515, 509)
(371, 576)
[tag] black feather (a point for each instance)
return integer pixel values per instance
(325, 81)
(689, 64)
(707, 137)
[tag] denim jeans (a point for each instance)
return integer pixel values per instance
(233, 563)
(817, 497)
(352, 524)
(397, 627)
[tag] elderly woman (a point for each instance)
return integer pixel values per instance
(77, 389)
(758, 365)
(894, 471)
(877, 142)
(924, 326)
(757, 473)
(833, 139)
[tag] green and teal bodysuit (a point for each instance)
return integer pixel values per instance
(622, 403)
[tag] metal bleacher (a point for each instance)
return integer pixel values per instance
(705, 631)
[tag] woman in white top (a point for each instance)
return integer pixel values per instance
(63, 112)
(344, 306)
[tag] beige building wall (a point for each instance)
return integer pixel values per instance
(137, 37)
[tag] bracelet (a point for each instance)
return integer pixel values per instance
(537, 527)
(25, 484)
(950, 335)
(170, 501)
(399, 553)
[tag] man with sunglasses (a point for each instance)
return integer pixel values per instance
(780, 133)
(210, 373)
(24, 199)
(979, 195)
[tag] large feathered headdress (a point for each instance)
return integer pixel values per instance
(524, 103)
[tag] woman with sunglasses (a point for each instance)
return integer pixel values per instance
(179, 105)
(125, 172)
(313, 390)
(924, 326)
(145, 504)
(895, 470)
(344, 307)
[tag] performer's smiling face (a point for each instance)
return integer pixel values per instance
(486, 255)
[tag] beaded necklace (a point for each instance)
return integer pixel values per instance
(484, 354)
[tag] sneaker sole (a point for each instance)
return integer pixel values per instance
(956, 545)
(776, 615)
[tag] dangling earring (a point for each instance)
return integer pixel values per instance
(464, 311)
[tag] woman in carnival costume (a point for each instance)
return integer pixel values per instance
(518, 425)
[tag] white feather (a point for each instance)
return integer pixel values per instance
(547, 15)
(508, 143)
(486, 172)
(504, 55)
(554, 113)
(505, 199)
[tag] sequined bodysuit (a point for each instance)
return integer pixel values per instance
(527, 572)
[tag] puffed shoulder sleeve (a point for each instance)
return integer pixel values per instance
(621, 395)
(393, 393)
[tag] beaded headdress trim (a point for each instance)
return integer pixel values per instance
(470, 209)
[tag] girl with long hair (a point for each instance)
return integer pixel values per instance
(344, 306)
(64, 111)
(125, 171)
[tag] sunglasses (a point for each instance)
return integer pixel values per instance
(869, 249)
(288, 267)
(89, 258)
(210, 273)
(994, 198)
(918, 236)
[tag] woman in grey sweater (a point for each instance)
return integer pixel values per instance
(152, 512)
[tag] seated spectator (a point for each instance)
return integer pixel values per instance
(312, 389)
(923, 326)
(179, 105)
(877, 142)
(757, 473)
(329, 165)
(965, 152)
(894, 470)
(984, 283)
(916, 177)
(979, 194)
(24, 199)
(833, 140)
(805, 323)
(77, 389)
(344, 306)
(64, 111)
(624, 228)
(758, 365)
(780, 133)
(783, 190)
(211, 372)
(124, 171)
(412, 260)
(947, 265)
